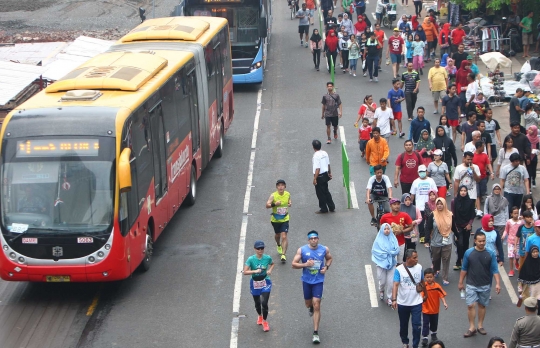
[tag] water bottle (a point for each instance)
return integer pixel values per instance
(462, 294)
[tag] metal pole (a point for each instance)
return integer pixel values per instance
(153, 8)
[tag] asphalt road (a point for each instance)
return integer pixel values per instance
(186, 299)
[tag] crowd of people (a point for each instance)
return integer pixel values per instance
(445, 186)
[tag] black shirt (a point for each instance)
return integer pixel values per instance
(515, 116)
(330, 23)
(409, 80)
(458, 58)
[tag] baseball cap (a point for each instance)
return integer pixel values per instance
(281, 181)
(422, 168)
(394, 200)
(258, 244)
(396, 29)
(437, 152)
(530, 302)
(537, 223)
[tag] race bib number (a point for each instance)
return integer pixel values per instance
(316, 267)
(257, 285)
(281, 211)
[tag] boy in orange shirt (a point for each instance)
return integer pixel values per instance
(430, 307)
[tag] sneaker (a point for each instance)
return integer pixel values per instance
(364, 75)
(373, 221)
(350, 72)
(301, 42)
(259, 320)
(424, 342)
(266, 327)
(435, 112)
(389, 302)
(310, 311)
(305, 45)
(516, 265)
(421, 240)
(376, 79)
(511, 273)
(448, 194)
(283, 258)
(341, 66)
(279, 249)
(381, 295)
(405, 345)
(478, 213)
(434, 337)
(316, 339)
(370, 80)
(401, 135)
(355, 76)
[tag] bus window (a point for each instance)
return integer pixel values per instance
(170, 116)
(141, 151)
(248, 25)
(158, 152)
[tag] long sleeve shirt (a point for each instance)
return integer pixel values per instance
(376, 150)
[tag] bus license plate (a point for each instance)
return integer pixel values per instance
(58, 279)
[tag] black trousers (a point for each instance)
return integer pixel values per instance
(345, 58)
(417, 7)
(462, 243)
(410, 102)
(406, 188)
(262, 306)
(317, 57)
(331, 56)
(323, 194)
(531, 169)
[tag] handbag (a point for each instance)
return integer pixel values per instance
(419, 286)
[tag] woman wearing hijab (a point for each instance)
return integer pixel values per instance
(316, 45)
(480, 106)
(410, 209)
(425, 147)
(414, 22)
(451, 70)
(462, 81)
(529, 276)
(429, 207)
(347, 23)
(383, 253)
(441, 227)
(493, 239)
(497, 205)
(359, 27)
(331, 48)
(464, 214)
(444, 61)
(431, 37)
(368, 22)
(443, 142)
(444, 40)
(532, 135)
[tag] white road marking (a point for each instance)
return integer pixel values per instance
(371, 287)
(354, 199)
(508, 285)
(243, 229)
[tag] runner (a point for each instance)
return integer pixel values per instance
(332, 109)
(303, 25)
(259, 267)
(280, 202)
(396, 96)
(314, 260)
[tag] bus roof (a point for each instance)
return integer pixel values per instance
(194, 29)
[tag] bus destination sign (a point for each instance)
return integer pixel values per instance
(57, 147)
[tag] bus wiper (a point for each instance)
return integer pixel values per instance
(18, 236)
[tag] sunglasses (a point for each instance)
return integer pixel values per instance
(260, 248)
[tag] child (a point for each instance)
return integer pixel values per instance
(418, 54)
(364, 134)
(430, 307)
(443, 122)
(408, 46)
(510, 231)
(523, 232)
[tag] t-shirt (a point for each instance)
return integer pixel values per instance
(344, 42)
(458, 57)
(365, 112)
(409, 80)
(468, 129)
(379, 34)
(527, 22)
(420, 189)
(305, 19)
(407, 295)
(383, 118)
(418, 48)
(457, 38)
(379, 188)
(409, 166)
(532, 240)
(481, 160)
(451, 104)
(438, 173)
(514, 178)
(354, 50)
(522, 235)
(433, 302)
(263, 263)
(480, 266)
(380, 6)
(401, 219)
(395, 44)
(491, 127)
(394, 95)
(332, 102)
(472, 90)
(515, 116)
(364, 133)
(465, 177)
(438, 77)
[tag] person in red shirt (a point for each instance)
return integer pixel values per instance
(395, 50)
(364, 134)
(457, 36)
(400, 222)
(379, 34)
(484, 164)
(407, 167)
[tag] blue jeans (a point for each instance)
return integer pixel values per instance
(404, 313)
(514, 200)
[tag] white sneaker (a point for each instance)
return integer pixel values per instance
(479, 213)
(364, 75)
(376, 79)
(316, 339)
(341, 66)
(370, 80)
(355, 76)
(301, 42)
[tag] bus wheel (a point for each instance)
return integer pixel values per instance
(192, 194)
(145, 264)
(219, 150)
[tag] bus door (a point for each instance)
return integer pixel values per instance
(194, 111)
(219, 75)
(159, 156)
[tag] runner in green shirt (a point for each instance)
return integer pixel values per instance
(280, 202)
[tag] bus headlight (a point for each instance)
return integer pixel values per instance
(100, 254)
(21, 259)
(91, 259)
(12, 255)
(256, 66)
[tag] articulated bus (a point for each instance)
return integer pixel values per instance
(250, 27)
(96, 165)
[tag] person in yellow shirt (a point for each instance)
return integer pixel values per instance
(438, 79)
(280, 202)
(377, 151)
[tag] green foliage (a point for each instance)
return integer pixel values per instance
(474, 4)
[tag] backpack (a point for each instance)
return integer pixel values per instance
(418, 157)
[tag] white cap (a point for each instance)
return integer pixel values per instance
(437, 152)
(422, 168)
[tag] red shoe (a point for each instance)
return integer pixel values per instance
(266, 327)
(517, 265)
(260, 320)
(511, 273)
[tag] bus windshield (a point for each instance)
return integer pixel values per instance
(243, 22)
(67, 194)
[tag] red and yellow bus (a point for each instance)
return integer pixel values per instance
(96, 165)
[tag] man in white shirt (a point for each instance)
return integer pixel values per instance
(467, 174)
(420, 191)
(321, 175)
(471, 147)
(472, 89)
(379, 10)
(384, 119)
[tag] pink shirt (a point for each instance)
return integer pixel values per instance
(510, 230)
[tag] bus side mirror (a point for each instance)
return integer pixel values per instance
(263, 30)
(124, 171)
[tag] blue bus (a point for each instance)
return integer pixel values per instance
(250, 27)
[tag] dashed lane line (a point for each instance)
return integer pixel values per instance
(371, 287)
